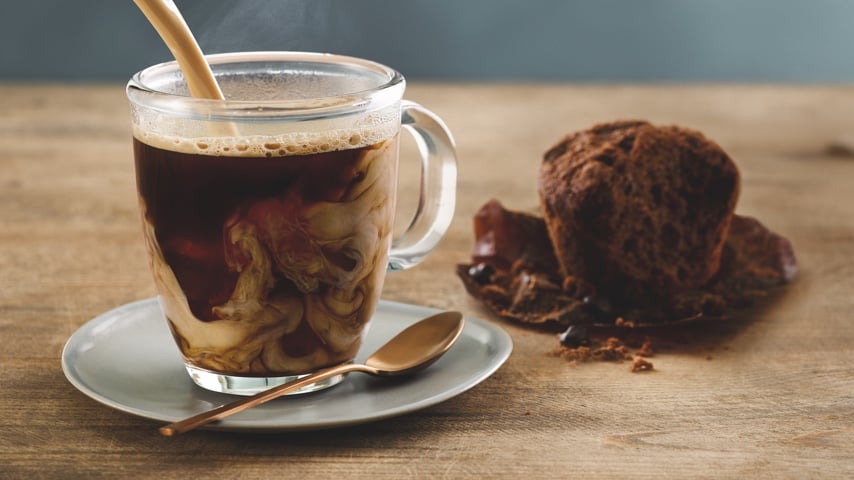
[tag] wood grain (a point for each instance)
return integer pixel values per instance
(769, 396)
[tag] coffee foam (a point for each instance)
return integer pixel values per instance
(280, 145)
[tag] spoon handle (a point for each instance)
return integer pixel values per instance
(245, 403)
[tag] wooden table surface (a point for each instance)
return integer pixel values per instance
(771, 396)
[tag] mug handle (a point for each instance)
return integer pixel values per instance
(437, 197)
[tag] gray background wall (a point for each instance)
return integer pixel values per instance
(501, 40)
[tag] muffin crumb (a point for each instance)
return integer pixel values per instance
(641, 365)
(646, 349)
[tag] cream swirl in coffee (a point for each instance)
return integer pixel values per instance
(269, 252)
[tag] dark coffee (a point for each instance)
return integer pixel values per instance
(267, 264)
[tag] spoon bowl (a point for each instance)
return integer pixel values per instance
(411, 350)
(418, 346)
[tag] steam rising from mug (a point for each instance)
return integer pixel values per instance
(229, 26)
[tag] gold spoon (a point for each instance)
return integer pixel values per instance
(413, 349)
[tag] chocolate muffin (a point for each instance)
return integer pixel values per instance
(640, 211)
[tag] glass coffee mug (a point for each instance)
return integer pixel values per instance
(268, 217)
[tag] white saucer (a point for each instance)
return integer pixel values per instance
(127, 360)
